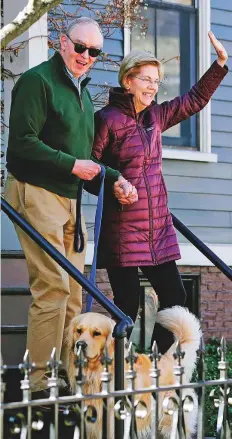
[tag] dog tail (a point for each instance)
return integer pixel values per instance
(185, 328)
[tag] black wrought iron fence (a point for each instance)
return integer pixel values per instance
(175, 410)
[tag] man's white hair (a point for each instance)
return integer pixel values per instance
(81, 21)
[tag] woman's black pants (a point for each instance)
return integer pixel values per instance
(167, 283)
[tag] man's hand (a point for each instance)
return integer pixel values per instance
(220, 49)
(86, 169)
(125, 192)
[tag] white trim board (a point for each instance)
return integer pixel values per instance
(190, 255)
(194, 156)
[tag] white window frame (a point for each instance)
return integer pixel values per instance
(204, 61)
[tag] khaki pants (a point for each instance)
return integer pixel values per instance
(56, 297)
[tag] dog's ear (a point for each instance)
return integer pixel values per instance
(110, 339)
(68, 335)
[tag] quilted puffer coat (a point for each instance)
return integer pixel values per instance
(142, 233)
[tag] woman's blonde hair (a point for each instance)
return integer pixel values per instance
(134, 60)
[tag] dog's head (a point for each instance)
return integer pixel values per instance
(94, 332)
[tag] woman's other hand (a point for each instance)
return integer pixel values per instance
(220, 49)
(125, 192)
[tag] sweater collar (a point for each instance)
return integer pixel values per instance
(119, 97)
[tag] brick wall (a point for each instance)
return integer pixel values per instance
(215, 299)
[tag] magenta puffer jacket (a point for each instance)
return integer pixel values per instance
(142, 233)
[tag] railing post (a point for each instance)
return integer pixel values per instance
(119, 333)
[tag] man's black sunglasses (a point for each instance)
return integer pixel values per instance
(81, 48)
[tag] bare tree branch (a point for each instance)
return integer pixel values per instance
(34, 10)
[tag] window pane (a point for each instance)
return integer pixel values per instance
(165, 24)
(147, 43)
(179, 2)
(168, 46)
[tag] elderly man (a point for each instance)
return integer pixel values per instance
(50, 141)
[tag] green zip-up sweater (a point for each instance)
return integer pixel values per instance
(51, 126)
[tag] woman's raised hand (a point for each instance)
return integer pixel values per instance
(220, 49)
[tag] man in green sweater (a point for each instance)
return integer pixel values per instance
(50, 140)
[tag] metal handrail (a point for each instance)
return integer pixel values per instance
(124, 323)
(202, 247)
(64, 263)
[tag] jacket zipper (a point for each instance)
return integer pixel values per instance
(149, 202)
(147, 188)
(150, 217)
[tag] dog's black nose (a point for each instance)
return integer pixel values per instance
(81, 344)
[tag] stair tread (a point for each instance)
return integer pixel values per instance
(15, 291)
(11, 254)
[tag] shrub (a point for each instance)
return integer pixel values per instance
(212, 373)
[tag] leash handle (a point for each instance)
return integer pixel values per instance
(97, 229)
(78, 234)
(79, 237)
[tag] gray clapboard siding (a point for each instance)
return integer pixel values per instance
(223, 93)
(222, 32)
(197, 218)
(198, 185)
(89, 213)
(221, 139)
(208, 202)
(220, 108)
(219, 17)
(210, 235)
(189, 169)
(224, 154)
(222, 123)
(225, 5)
(99, 77)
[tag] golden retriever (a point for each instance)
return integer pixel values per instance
(95, 331)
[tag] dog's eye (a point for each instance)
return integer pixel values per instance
(79, 330)
(96, 333)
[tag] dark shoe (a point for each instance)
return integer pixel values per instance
(62, 373)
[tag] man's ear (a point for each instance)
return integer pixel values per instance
(63, 42)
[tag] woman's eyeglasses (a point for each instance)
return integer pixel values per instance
(81, 48)
(147, 80)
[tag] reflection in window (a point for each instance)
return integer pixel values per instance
(168, 46)
(170, 34)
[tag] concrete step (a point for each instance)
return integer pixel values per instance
(13, 344)
(15, 304)
(14, 270)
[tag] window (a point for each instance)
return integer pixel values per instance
(142, 330)
(179, 27)
(172, 32)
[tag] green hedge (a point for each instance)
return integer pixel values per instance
(211, 360)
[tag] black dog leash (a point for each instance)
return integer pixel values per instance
(78, 234)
